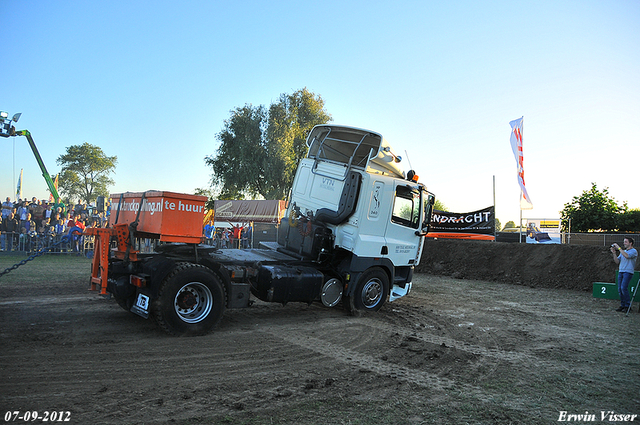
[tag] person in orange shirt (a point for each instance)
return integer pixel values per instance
(237, 231)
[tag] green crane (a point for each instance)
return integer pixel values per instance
(8, 130)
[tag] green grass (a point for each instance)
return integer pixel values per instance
(57, 268)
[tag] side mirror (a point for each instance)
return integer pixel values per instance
(429, 202)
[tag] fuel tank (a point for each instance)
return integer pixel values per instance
(283, 284)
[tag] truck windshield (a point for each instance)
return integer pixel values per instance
(406, 207)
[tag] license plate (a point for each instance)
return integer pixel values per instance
(143, 302)
(141, 307)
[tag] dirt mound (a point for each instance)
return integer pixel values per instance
(534, 265)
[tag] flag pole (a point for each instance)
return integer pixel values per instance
(520, 227)
(14, 164)
(495, 216)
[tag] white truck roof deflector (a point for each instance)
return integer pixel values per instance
(354, 147)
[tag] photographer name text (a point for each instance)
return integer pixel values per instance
(604, 416)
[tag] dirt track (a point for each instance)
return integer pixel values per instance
(453, 351)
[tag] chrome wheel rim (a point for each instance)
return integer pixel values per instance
(372, 293)
(193, 302)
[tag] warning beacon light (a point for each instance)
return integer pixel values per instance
(412, 176)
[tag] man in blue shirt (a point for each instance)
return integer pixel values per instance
(209, 231)
(627, 260)
(7, 207)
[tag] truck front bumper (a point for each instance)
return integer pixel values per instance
(399, 292)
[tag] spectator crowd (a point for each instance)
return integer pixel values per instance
(32, 225)
(237, 236)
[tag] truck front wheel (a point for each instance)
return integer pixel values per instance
(372, 290)
(190, 300)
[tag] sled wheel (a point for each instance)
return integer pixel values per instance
(190, 301)
(372, 290)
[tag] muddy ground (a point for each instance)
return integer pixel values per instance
(454, 351)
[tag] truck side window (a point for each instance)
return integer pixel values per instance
(406, 207)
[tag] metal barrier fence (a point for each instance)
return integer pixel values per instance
(28, 244)
(597, 239)
(84, 245)
(602, 239)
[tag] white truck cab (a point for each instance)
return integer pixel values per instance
(351, 190)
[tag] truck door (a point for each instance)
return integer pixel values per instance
(402, 236)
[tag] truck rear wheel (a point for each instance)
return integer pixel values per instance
(372, 290)
(190, 301)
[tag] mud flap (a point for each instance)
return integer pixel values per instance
(350, 307)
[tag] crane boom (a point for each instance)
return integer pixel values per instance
(8, 130)
(45, 173)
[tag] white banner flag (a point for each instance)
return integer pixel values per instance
(516, 146)
(19, 187)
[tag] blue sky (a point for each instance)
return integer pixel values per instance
(153, 82)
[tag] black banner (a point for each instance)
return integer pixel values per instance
(481, 222)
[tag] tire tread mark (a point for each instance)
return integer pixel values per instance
(364, 361)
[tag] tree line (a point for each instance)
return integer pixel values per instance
(597, 210)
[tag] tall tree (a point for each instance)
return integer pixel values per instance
(290, 121)
(240, 160)
(593, 210)
(85, 172)
(260, 149)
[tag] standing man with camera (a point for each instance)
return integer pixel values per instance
(627, 260)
